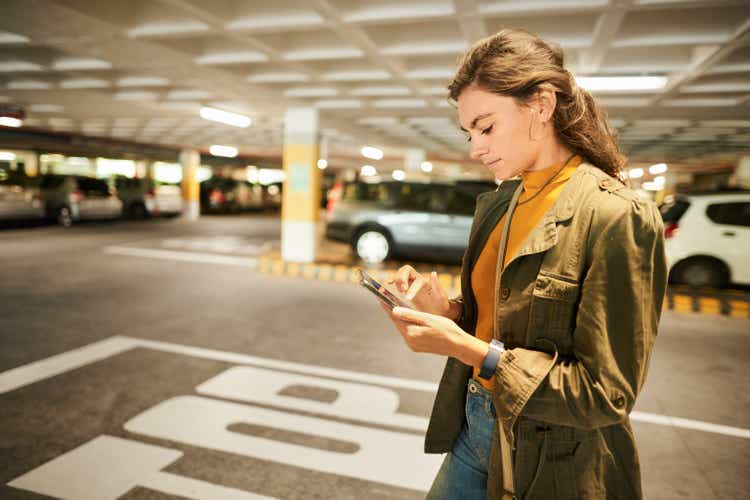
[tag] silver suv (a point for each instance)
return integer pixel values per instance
(385, 219)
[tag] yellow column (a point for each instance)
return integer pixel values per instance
(190, 160)
(300, 204)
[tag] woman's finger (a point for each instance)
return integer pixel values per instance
(411, 315)
(417, 285)
(404, 277)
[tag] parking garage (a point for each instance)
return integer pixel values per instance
(188, 190)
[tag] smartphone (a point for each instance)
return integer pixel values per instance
(380, 291)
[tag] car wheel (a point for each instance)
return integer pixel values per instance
(64, 217)
(703, 273)
(372, 245)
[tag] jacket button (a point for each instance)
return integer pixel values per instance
(619, 402)
(505, 293)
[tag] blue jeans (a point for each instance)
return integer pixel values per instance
(464, 471)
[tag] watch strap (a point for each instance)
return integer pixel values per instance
(489, 365)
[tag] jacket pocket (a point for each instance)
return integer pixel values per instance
(552, 313)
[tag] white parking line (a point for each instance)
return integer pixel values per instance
(77, 358)
(207, 258)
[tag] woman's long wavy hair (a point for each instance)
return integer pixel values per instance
(516, 63)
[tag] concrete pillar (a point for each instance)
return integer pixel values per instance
(301, 198)
(742, 173)
(190, 160)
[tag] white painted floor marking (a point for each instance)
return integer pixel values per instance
(387, 457)
(61, 363)
(107, 467)
(206, 258)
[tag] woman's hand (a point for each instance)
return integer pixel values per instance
(425, 293)
(431, 333)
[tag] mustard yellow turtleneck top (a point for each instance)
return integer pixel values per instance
(525, 217)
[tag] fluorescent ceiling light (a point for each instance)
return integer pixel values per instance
(322, 53)
(621, 83)
(368, 171)
(157, 29)
(7, 38)
(142, 81)
(84, 83)
(187, 95)
(287, 20)
(660, 179)
(372, 153)
(278, 77)
(311, 92)
(137, 95)
(426, 166)
(46, 108)
(635, 173)
(399, 175)
(232, 58)
(355, 75)
(659, 168)
(7, 121)
(17, 66)
(27, 85)
(77, 64)
(225, 151)
(322, 164)
(338, 104)
(226, 117)
(400, 103)
(378, 91)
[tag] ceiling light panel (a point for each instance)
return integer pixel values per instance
(282, 19)
(188, 94)
(278, 77)
(79, 64)
(393, 90)
(7, 38)
(142, 81)
(371, 12)
(165, 29)
(311, 92)
(19, 66)
(232, 57)
(84, 83)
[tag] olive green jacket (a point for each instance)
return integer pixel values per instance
(578, 309)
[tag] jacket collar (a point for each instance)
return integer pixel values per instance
(544, 235)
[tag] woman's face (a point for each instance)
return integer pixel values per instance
(498, 129)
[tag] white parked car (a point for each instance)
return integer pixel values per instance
(708, 238)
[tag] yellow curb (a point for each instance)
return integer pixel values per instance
(342, 273)
(739, 309)
(709, 305)
(683, 303)
(325, 272)
(292, 269)
(308, 272)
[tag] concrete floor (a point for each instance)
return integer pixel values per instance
(62, 290)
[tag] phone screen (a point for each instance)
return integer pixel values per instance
(380, 291)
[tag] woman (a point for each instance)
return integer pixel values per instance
(562, 287)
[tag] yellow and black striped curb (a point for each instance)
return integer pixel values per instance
(343, 273)
(735, 304)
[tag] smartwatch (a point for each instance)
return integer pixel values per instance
(489, 365)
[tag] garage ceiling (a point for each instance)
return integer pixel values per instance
(377, 70)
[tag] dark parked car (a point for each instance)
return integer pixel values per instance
(224, 195)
